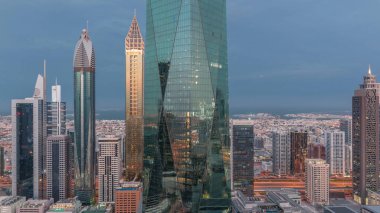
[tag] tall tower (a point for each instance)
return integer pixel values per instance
(28, 144)
(298, 153)
(335, 152)
(134, 100)
(108, 168)
(56, 113)
(242, 157)
(186, 119)
(281, 153)
(365, 138)
(84, 117)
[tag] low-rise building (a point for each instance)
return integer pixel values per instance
(35, 206)
(70, 205)
(9, 204)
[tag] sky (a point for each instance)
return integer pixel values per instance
(284, 55)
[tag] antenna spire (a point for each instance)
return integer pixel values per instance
(44, 83)
(369, 70)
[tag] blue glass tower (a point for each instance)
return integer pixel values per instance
(84, 118)
(186, 139)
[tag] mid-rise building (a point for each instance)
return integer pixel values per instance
(281, 153)
(242, 157)
(108, 168)
(316, 151)
(70, 205)
(335, 152)
(84, 118)
(298, 152)
(35, 206)
(9, 204)
(57, 167)
(365, 138)
(56, 113)
(28, 140)
(129, 198)
(134, 73)
(317, 180)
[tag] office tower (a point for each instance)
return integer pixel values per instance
(298, 152)
(108, 167)
(317, 181)
(134, 99)
(28, 140)
(346, 126)
(316, 151)
(9, 204)
(84, 117)
(35, 206)
(365, 138)
(242, 157)
(128, 198)
(335, 153)
(281, 153)
(57, 166)
(70, 205)
(56, 113)
(186, 125)
(71, 164)
(2, 162)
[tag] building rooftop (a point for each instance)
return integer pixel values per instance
(338, 209)
(36, 203)
(372, 209)
(9, 200)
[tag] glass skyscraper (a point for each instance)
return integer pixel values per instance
(186, 136)
(84, 117)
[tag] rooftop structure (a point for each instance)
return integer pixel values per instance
(70, 205)
(35, 206)
(338, 209)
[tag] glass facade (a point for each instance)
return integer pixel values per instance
(84, 118)
(24, 135)
(242, 158)
(186, 138)
(298, 153)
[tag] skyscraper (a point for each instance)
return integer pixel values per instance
(108, 168)
(2, 161)
(317, 181)
(84, 117)
(281, 153)
(186, 115)
(335, 152)
(57, 167)
(365, 138)
(345, 125)
(298, 153)
(56, 113)
(28, 140)
(134, 77)
(242, 157)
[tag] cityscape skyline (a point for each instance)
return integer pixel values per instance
(287, 65)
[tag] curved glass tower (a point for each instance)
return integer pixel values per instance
(186, 137)
(84, 117)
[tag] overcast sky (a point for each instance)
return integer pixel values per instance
(284, 55)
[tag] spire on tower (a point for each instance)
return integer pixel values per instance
(369, 69)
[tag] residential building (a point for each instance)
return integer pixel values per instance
(298, 152)
(35, 206)
(317, 182)
(70, 205)
(109, 169)
(9, 204)
(335, 152)
(281, 153)
(56, 113)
